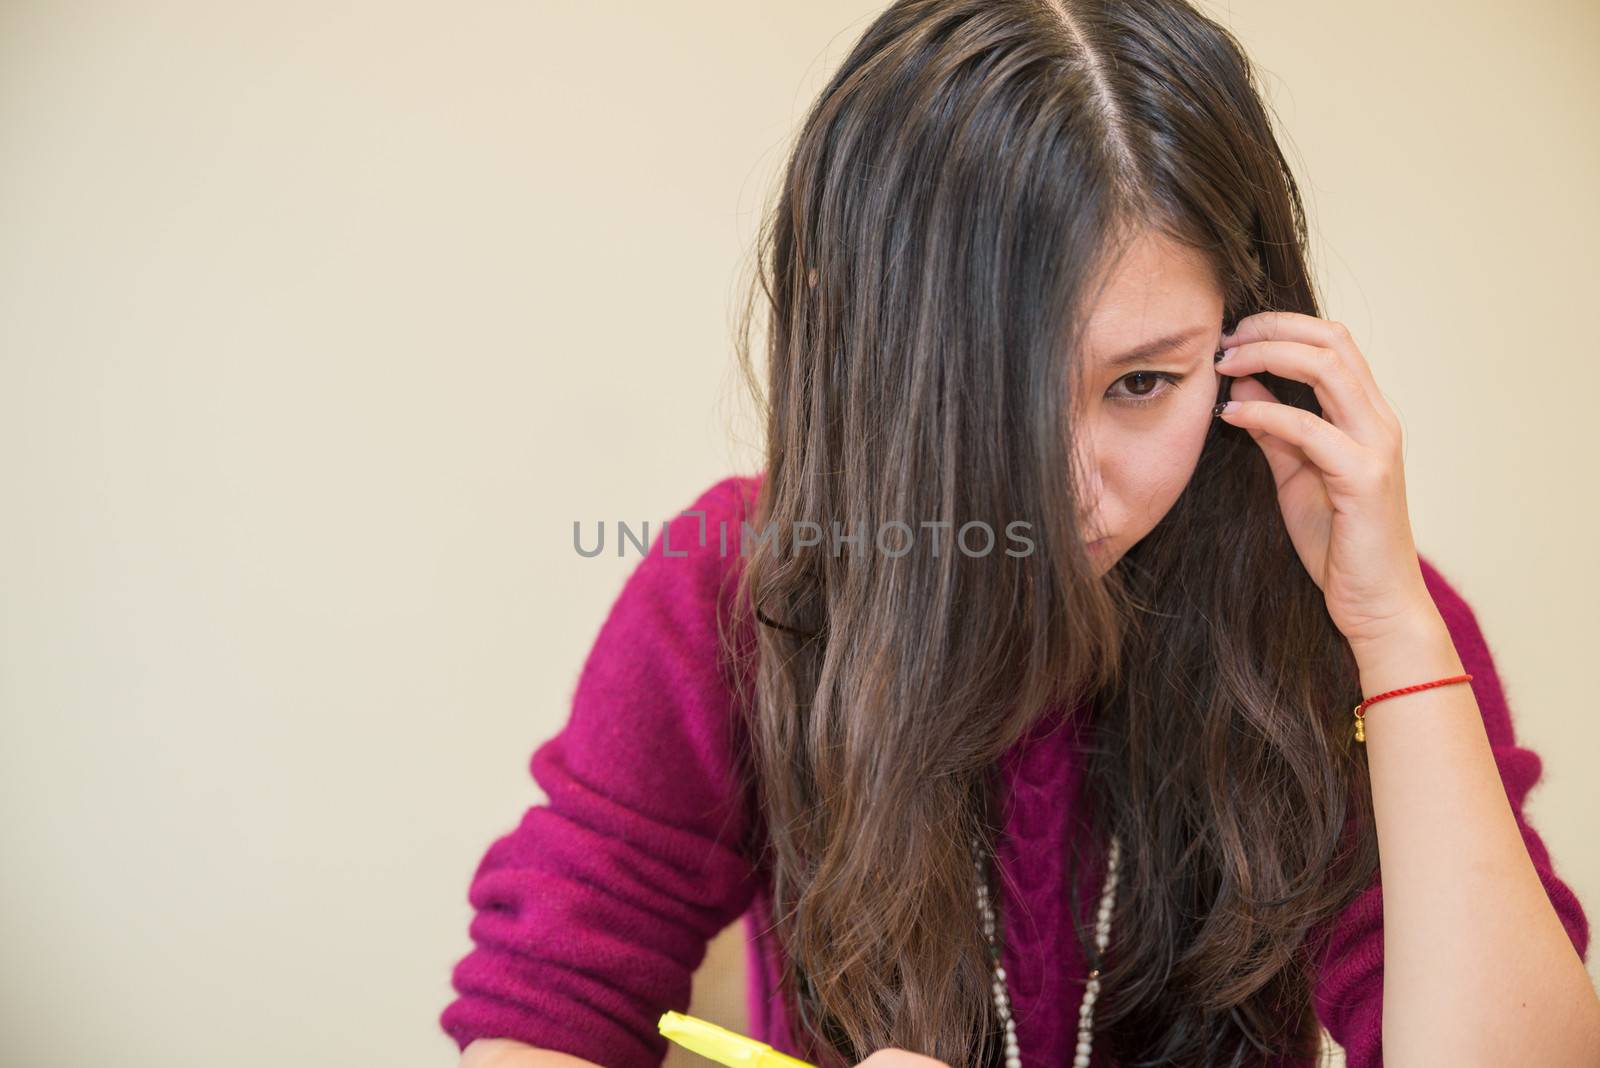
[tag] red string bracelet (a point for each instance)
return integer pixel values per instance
(1361, 733)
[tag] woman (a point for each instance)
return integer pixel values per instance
(1110, 749)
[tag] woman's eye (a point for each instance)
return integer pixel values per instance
(1143, 388)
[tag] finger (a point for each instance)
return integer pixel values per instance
(1344, 401)
(1324, 333)
(1284, 458)
(1334, 452)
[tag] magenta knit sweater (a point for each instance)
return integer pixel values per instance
(594, 912)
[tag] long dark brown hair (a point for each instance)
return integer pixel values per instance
(950, 201)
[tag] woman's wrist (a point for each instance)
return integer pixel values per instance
(1419, 648)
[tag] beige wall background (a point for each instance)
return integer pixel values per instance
(320, 324)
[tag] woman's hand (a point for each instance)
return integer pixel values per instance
(1341, 477)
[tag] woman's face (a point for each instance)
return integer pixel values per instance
(1142, 420)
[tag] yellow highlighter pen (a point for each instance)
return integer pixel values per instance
(722, 1045)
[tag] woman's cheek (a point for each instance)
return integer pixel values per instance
(1169, 454)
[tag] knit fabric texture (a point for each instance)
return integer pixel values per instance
(592, 914)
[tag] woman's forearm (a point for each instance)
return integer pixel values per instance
(1478, 969)
(508, 1053)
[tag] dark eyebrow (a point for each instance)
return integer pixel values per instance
(1155, 348)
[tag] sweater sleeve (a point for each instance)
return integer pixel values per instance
(592, 915)
(1348, 996)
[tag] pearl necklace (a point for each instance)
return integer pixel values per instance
(1102, 935)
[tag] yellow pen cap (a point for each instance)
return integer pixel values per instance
(722, 1045)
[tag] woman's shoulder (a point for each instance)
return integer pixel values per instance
(703, 528)
(710, 524)
(693, 557)
(729, 495)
